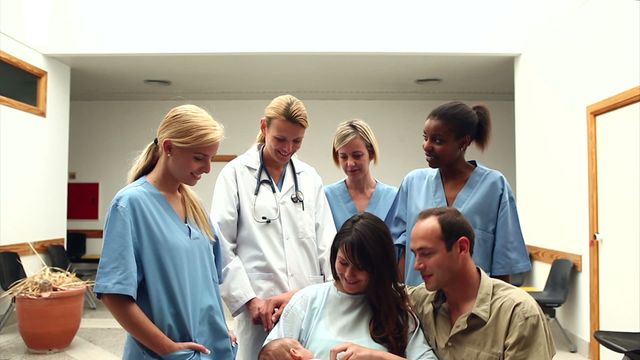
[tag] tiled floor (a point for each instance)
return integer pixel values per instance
(101, 338)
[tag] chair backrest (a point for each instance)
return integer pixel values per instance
(58, 256)
(11, 269)
(518, 279)
(76, 245)
(558, 279)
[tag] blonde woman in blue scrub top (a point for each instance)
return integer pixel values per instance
(354, 148)
(481, 194)
(161, 262)
(275, 223)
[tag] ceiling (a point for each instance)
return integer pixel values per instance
(308, 76)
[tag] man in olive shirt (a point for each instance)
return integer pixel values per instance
(466, 314)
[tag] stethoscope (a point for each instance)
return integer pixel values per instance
(296, 197)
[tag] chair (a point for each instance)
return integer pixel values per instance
(627, 343)
(518, 279)
(59, 259)
(555, 293)
(11, 270)
(77, 248)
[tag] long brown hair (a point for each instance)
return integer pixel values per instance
(366, 242)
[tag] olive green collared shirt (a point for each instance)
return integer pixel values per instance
(504, 323)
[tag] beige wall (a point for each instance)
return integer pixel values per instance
(578, 56)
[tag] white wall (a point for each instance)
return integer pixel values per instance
(33, 158)
(106, 136)
(33, 161)
(197, 26)
(576, 57)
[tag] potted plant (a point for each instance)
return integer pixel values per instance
(49, 307)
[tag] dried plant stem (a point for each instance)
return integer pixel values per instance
(38, 255)
(42, 283)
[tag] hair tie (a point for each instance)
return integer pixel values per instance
(155, 141)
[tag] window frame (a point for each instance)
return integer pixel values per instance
(41, 88)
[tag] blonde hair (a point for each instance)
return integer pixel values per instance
(285, 107)
(186, 126)
(349, 130)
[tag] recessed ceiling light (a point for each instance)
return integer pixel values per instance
(155, 82)
(428, 81)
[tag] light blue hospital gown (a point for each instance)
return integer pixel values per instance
(169, 268)
(320, 317)
(343, 207)
(486, 200)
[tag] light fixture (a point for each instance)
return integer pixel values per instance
(428, 81)
(157, 82)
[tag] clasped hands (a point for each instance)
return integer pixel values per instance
(266, 312)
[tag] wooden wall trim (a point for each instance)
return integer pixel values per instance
(24, 249)
(91, 233)
(548, 255)
(223, 158)
(612, 103)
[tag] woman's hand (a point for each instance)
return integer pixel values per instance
(256, 308)
(349, 351)
(188, 346)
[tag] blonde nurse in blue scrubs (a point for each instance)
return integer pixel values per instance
(161, 260)
(354, 148)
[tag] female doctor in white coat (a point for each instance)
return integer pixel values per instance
(276, 224)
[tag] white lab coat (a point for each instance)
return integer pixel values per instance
(264, 260)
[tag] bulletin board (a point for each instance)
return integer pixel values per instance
(82, 201)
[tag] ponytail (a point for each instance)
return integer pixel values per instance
(144, 163)
(483, 127)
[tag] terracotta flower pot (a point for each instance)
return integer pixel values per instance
(48, 324)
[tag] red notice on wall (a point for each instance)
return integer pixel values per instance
(82, 201)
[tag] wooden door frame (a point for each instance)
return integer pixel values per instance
(615, 102)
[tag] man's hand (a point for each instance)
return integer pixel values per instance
(273, 308)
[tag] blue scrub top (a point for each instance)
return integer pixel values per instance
(169, 268)
(486, 200)
(343, 207)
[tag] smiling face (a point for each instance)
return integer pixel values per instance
(352, 280)
(436, 265)
(187, 164)
(282, 139)
(440, 144)
(354, 159)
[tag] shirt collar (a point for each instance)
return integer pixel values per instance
(482, 306)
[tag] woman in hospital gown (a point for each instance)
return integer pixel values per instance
(364, 312)
(354, 147)
(483, 195)
(160, 263)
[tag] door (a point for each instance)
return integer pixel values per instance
(614, 194)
